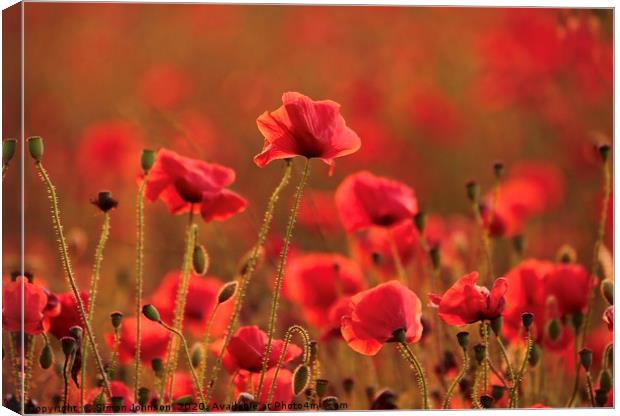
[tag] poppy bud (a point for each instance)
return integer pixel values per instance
(158, 366)
(497, 392)
(76, 332)
(518, 243)
(486, 401)
(184, 400)
(554, 329)
(463, 339)
(567, 254)
(196, 355)
(420, 221)
(603, 151)
(8, 150)
(99, 403)
(330, 403)
(400, 335)
(577, 320)
(200, 260)
(246, 402)
(385, 400)
(498, 169)
(227, 291)
(117, 403)
(321, 387)
(527, 318)
(534, 356)
(68, 345)
(116, 318)
(151, 313)
(473, 191)
(347, 385)
(104, 201)
(480, 352)
(435, 256)
(46, 359)
(143, 395)
(604, 380)
(496, 325)
(147, 160)
(585, 358)
(607, 290)
(301, 376)
(35, 147)
(600, 397)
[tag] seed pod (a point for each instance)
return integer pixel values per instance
(604, 381)
(386, 399)
(585, 358)
(473, 191)
(301, 376)
(117, 403)
(603, 151)
(400, 336)
(46, 359)
(151, 313)
(8, 150)
(35, 147)
(68, 345)
(496, 325)
(158, 366)
(479, 353)
(497, 392)
(330, 403)
(498, 169)
(321, 387)
(463, 339)
(116, 318)
(76, 332)
(200, 260)
(600, 397)
(196, 355)
(227, 291)
(147, 160)
(486, 401)
(143, 395)
(534, 355)
(527, 318)
(607, 290)
(104, 201)
(554, 329)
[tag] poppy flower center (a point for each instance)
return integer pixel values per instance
(187, 191)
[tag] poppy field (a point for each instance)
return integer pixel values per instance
(304, 208)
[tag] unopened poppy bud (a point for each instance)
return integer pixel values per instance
(435, 256)
(420, 221)
(603, 151)
(400, 335)
(600, 397)
(158, 366)
(496, 325)
(76, 332)
(607, 290)
(116, 318)
(486, 401)
(147, 160)
(321, 387)
(567, 254)
(117, 403)
(498, 169)
(534, 356)
(68, 345)
(554, 329)
(200, 260)
(480, 352)
(151, 313)
(518, 243)
(143, 395)
(301, 376)
(8, 150)
(46, 359)
(463, 339)
(35, 147)
(497, 392)
(604, 380)
(227, 291)
(104, 201)
(196, 355)
(473, 191)
(184, 400)
(330, 403)
(527, 318)
(577, 320)
(347, 385)
(585, 358)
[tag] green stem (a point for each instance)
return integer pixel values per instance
(514, 391)
(14, 363)
(66, 263)
(280, 272)
(287, 339)
(475, 396)
(485, 364)
(457, 380)
(420, 377)
(139, 282)
(577, 369)
(29, 358)
(504, 353)
(247, 274)
(205, 345)
(590, 389)
(486, 243)
(92, 295)
(117, 342)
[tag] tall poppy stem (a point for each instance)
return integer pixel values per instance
(484, 238)
(484, 329)
(247, 274)
(114, 359)
(30, 343)
(139, 282)
(66, 263)
(457, 380)
(504, 353)
(14, 363)
(202, 373)
(92, 295)
(410, 357)
(516, 383)
(280, 272)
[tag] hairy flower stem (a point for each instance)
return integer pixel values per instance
(179, 308)
(577, 368)
(590, 388)
(410, 357)
(484, 330)
(504, 353)
(280, 272)
(113, 361)
(457, 380)
(139, 281)
(29, 359)
(514, 391)
(247, 275)
(14, 363)
(66, 263)
(92, 295)
(485, 241)
(475, 394)
(287, 339)
(197, 383)
(202, 372)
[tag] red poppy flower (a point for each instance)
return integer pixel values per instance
(181, 182)
(36, 320)
(364, 200)
(316, 281)
(282, 392)
(69, 314)
(153, 340)
(376, 313)
(608, 317)
(303, 127)
(466, 302)
(247, 348)
(335, 313)
(201, 299)
(570, 285)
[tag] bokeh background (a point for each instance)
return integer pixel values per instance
(437, 95)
